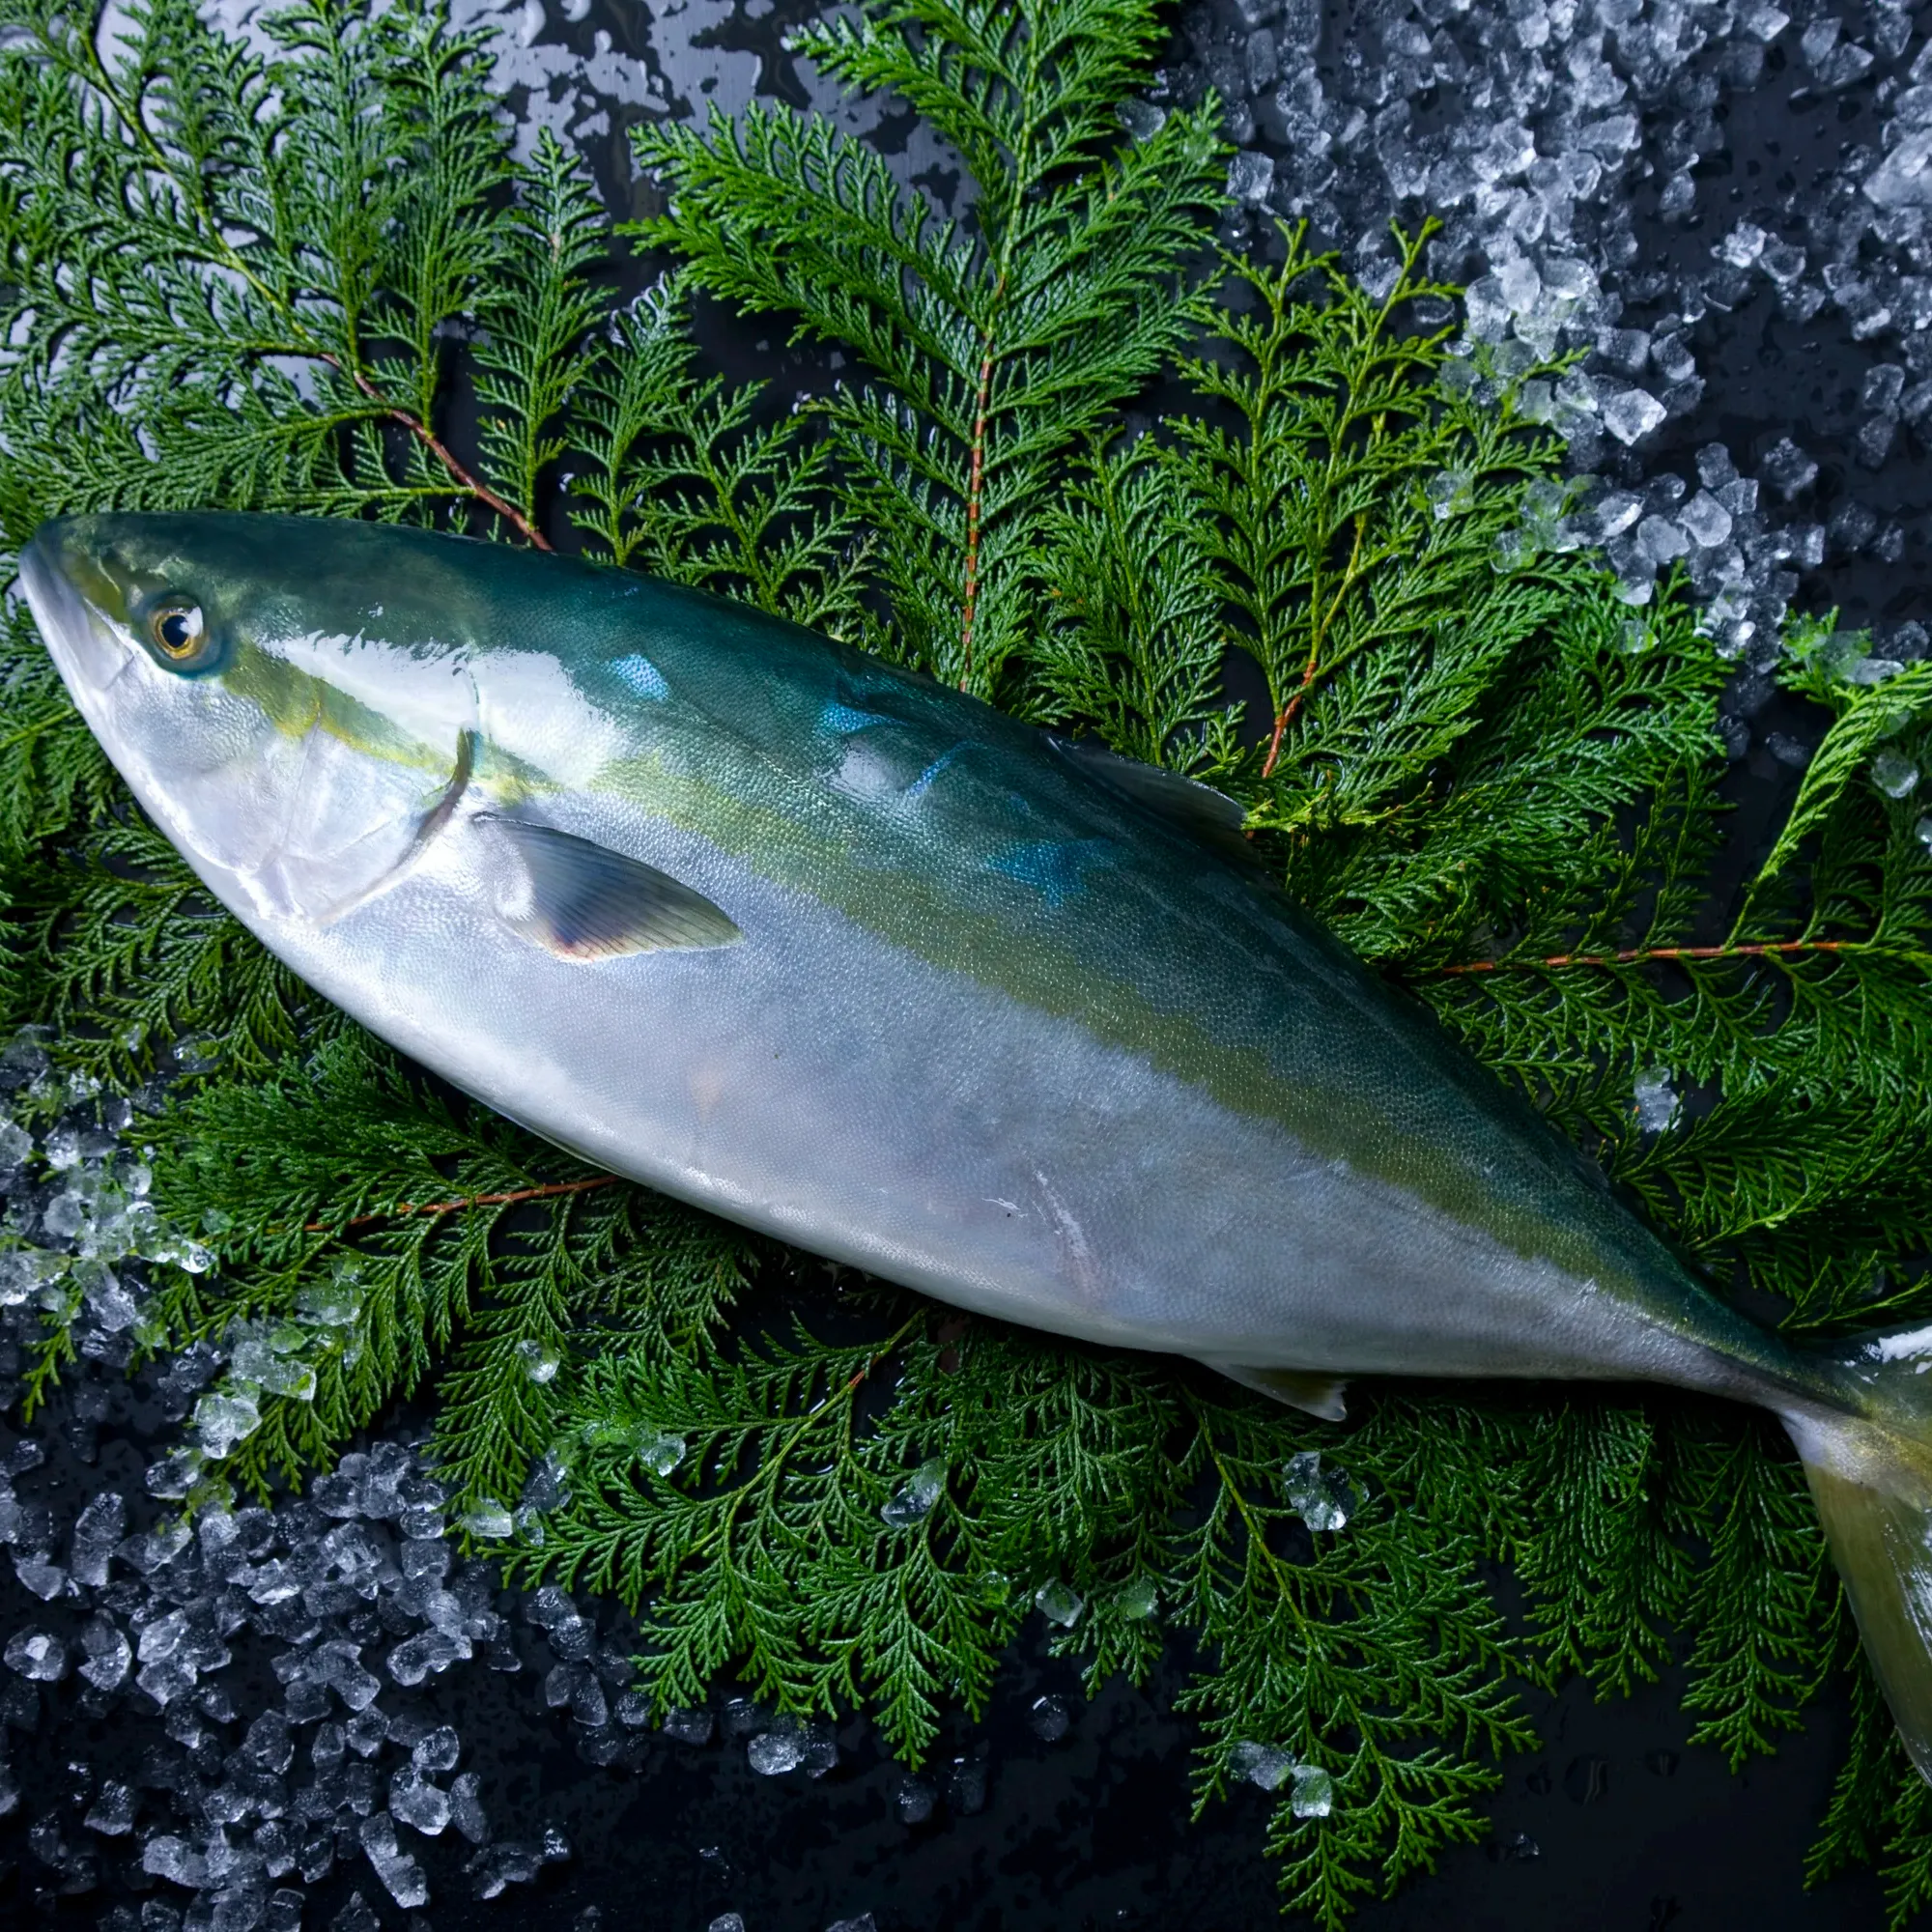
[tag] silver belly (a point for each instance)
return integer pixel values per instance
(818, 1084)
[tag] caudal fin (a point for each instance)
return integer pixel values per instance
(1872, 1477)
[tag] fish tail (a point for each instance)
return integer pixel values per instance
(1870, 1471)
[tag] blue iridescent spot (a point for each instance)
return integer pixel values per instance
(917, 790)
(1052, 866)
(643, 676)
(843, 720)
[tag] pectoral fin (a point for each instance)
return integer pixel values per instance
(583, 902)
(1301, 1388)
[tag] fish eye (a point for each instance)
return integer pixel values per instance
(178, 629)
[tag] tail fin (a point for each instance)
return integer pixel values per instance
(1870, 1473)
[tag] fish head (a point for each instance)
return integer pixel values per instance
(295, 745)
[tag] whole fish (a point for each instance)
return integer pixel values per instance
(740, 912)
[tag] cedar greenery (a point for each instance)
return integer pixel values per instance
(246, 279)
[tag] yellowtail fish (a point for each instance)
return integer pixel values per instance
(737, 911)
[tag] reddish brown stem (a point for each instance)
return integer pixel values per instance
(445, 456)
(403, 1208)
(1640, 953)
(1285, 715)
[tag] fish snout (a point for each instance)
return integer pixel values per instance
(80, 641)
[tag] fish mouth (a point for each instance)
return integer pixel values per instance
(75, 631)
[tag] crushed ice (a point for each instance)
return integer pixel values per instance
(1323, 1499)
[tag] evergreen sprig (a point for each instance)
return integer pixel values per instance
(993, 348)
(247, 279)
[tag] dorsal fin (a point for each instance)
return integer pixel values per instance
(1211, 816)
(1318, 1393)
(583, 901)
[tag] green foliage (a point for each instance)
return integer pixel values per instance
(991, 353)
(251, 281)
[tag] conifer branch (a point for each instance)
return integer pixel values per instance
(549, 1190)
(1635, 955)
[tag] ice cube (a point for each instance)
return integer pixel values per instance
(1250, 177)
(38, 1572)
(1674, 363)
(688, 1727)
(1267, 1765)
(437, 1750)
(1654, 1102)
(1743, 246)
(1613, 513)
(112, 1813)
(431, 1653)
(1787, 468)
(97, 1532)
(1139, 1600)
(661, 1452)
(337, 1663)
(418, 1802)
(224, 1420)
(1707, 519)
(1051, 1719)
(38, 1655)
(1851, 527)
(398, 1871)
(1059, 1603)
(540, 1360)
(174, 1860)
(108, 1654)
(777, 1750)
(1624, 349)
(913, 1502)
(1488, 307)
(1875, 440)
(966, 1785)
(1450, 492)
(505, 1865)
(1894, 774)
(1313, 1794)
(1323, 1499)
(1631, 415)
(1661, 539)
(1881, 388)
(466, 1808)
(1904, 178)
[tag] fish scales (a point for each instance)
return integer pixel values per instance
(733, 909)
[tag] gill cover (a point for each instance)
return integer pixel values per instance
(296, 753)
